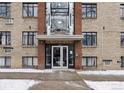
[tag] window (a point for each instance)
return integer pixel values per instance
(29, 61)
(59, 9)
(29, 38)
(89, 10)
(5, 62)
(60, 17)
(5, 9)
(90, 38)
(30, 9)
(5, 38)
(122, 39)
(89, 61)
(122, 61)
(122, 10)
(107, 62)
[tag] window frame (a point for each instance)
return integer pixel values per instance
(5, 61)
(52, 12)
(30, 35)
(58, 13)
(106, 61)
(121, 38)
(27, 58)
(122, 61)
(7, 6)
(91, 13)
(7, 35)
(121, 11)
(29, 5)
(91, 57)
(91, 39)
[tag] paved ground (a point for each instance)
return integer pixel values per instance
(60, 79)
(103, 78)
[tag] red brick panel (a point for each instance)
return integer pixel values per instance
(78, 54)
(78, 18)
(41, 55)
(41, 30)
(41, 18)
(78, 31)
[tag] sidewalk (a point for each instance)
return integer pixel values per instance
(59, 79)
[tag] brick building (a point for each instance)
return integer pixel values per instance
(62, 35)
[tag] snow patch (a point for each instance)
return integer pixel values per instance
(105, 85)
(16, 84)
(35, 70)
(107, 72)
(27, 70)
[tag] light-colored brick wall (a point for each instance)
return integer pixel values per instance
(19, 25)
(108, 39)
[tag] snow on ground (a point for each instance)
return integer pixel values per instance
(35, 70)
(105, 85)
(27, 70)
(107, 72)
(16, 84)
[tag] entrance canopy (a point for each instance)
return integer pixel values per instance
(59, 37)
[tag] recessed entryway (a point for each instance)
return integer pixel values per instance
(59, 57)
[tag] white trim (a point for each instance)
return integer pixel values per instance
(61, 57)
(59, 37)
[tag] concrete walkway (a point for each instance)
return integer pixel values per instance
(59, 79)
(103, 77)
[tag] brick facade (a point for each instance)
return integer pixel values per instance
(78, 31)
(41, 30)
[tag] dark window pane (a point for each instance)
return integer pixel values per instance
(5, 62)
(29, 61)
(122, 38)
(89, 10)
(89, 61)
(122, 61)
(5, 38)
(29, 38)
(30, 9)
(90, 38)
(5, 10)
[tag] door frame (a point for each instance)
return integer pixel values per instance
(61, 56)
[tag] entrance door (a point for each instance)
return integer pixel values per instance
(59, 56)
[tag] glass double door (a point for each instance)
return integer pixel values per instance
(59, 57)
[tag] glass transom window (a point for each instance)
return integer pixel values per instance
(59, 17)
